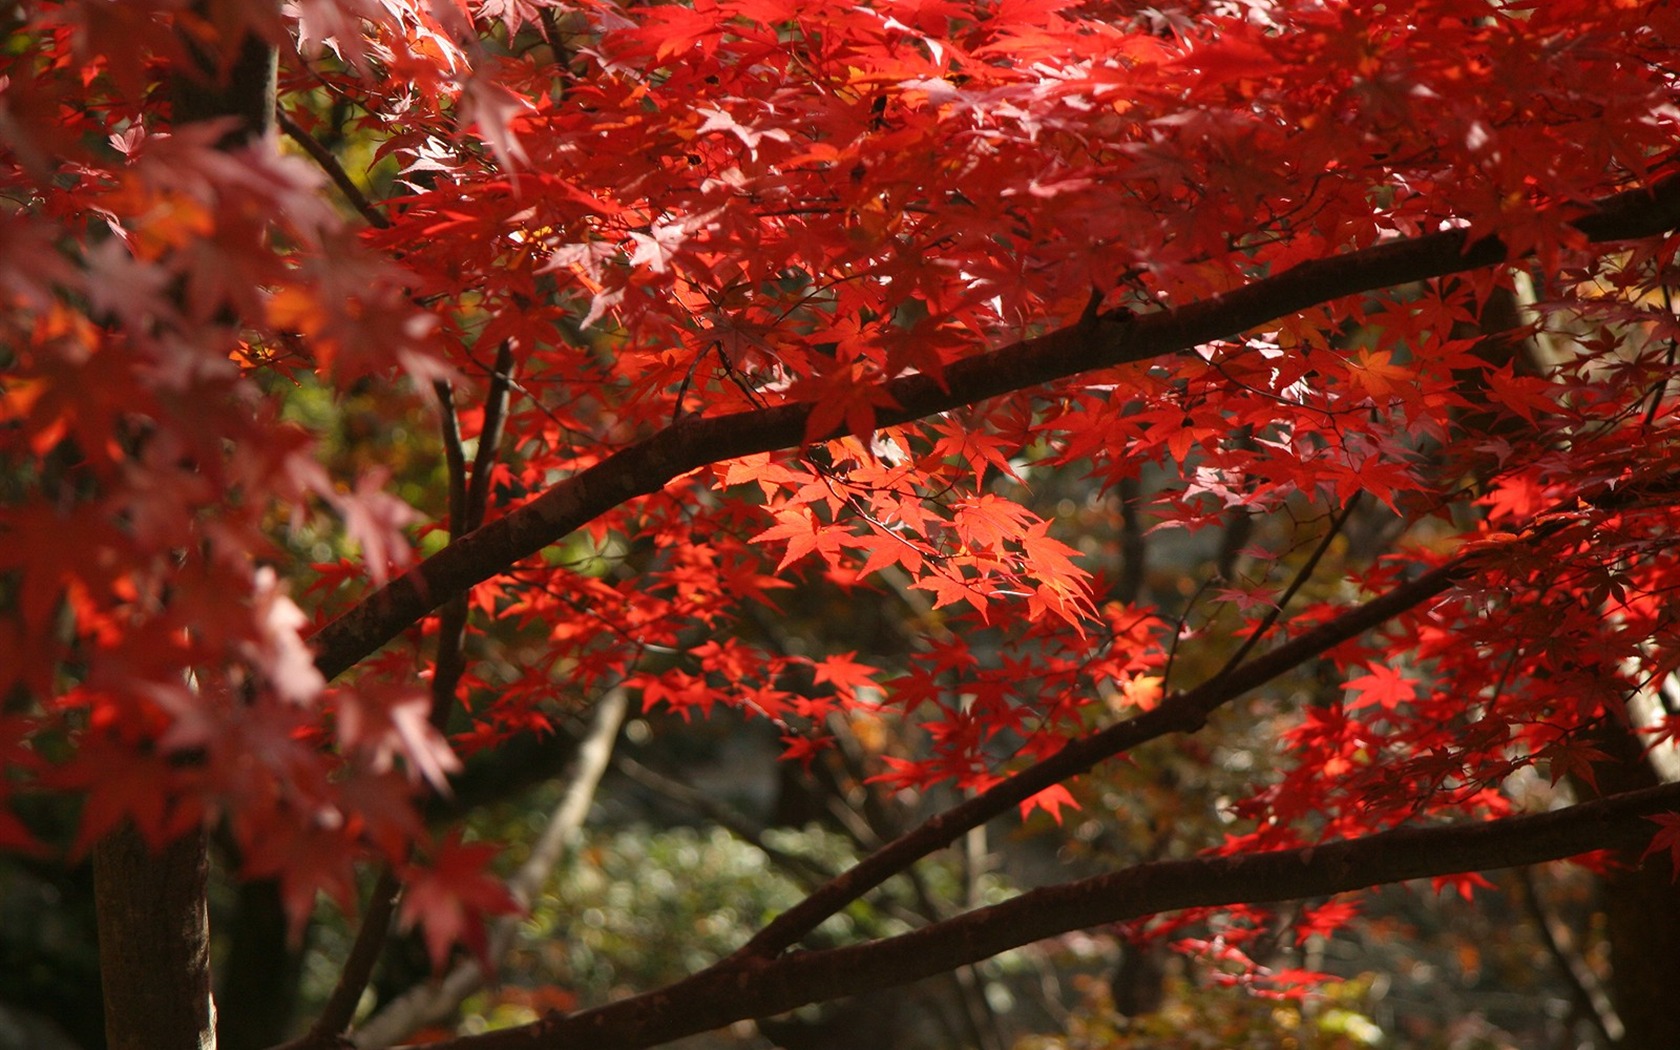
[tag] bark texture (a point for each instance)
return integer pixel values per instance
(154, 942)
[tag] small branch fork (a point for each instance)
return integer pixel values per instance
(1337, 523)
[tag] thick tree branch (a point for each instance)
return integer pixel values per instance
(755, 987)
(1094, 343)
(760, 987)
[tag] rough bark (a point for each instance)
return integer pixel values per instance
(154, 942)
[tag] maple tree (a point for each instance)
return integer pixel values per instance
(720, 301)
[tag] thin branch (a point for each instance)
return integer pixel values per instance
(450, 663)
(323, 157)
(1661, 385)
(455, 457)
(806, 872)
(335, 1017)
(1179, 713)
(489, 438)
(1589, 991)
(754, 987)
(1134, 549)
(432, 1002)
(1301, 577)
(1114, 338)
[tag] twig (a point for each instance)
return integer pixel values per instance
(1301, 577)
(450, 663)
(802, 870)
(966, 982)
(454, 456)
(489, 437)
(1661, 385)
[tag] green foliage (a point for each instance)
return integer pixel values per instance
(643, 906)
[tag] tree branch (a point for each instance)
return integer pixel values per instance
(1591, 999)
(324, 159)
(334, 1020)
(753, 987)
(1107, 340)
(466, 510)
(1180, 713)
(1337, 523)
(802, 870)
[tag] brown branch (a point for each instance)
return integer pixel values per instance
(1591, 999)
(807, 873)
(489, 437)
(454, 457)
(1337, 523)
(754, 987)
(335, 1018)
(324, 159)
(1100, 342)
(468, 502)
(450, 663)
(466, 509)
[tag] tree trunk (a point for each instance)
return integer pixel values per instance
(1642, 915)
(154, 942)
(154, 924)
(257, 982)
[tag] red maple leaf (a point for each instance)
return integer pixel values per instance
(450, 898)
(1383, 686)
(1050, 800)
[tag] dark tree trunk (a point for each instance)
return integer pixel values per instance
(257, 984)
(154, 926)
(1642, 916)
(154, 942)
